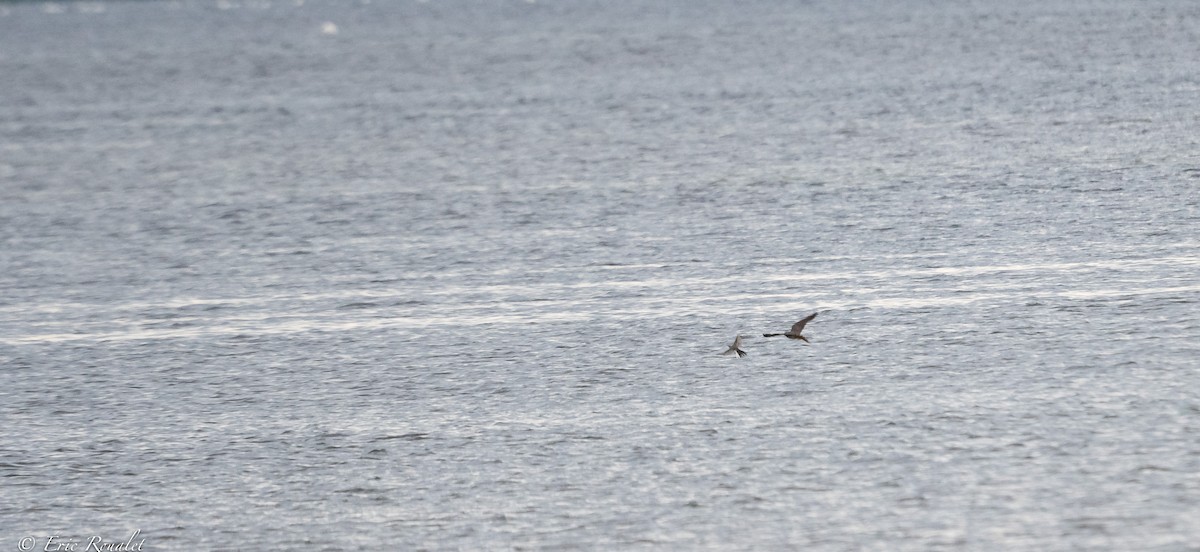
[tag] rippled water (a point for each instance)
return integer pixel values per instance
(450, 275)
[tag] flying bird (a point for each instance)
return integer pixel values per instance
(735, 348)
(798, 327)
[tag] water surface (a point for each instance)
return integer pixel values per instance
(348, 276)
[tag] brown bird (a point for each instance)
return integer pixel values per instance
(798, 327)
(735, 348)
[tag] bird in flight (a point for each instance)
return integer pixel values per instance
(798, 327)
(735, 348)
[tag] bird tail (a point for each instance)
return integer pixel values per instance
(771, 335)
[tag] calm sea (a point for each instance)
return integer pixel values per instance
(450, 275)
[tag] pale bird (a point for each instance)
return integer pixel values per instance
(798, 327)
(735, 348)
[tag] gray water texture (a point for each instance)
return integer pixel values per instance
(311, 275)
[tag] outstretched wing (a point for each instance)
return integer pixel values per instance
(735, 348)
(799, 326)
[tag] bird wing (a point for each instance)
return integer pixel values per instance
(735, 348)
(799, 326)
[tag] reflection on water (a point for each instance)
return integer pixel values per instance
(641, 295)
